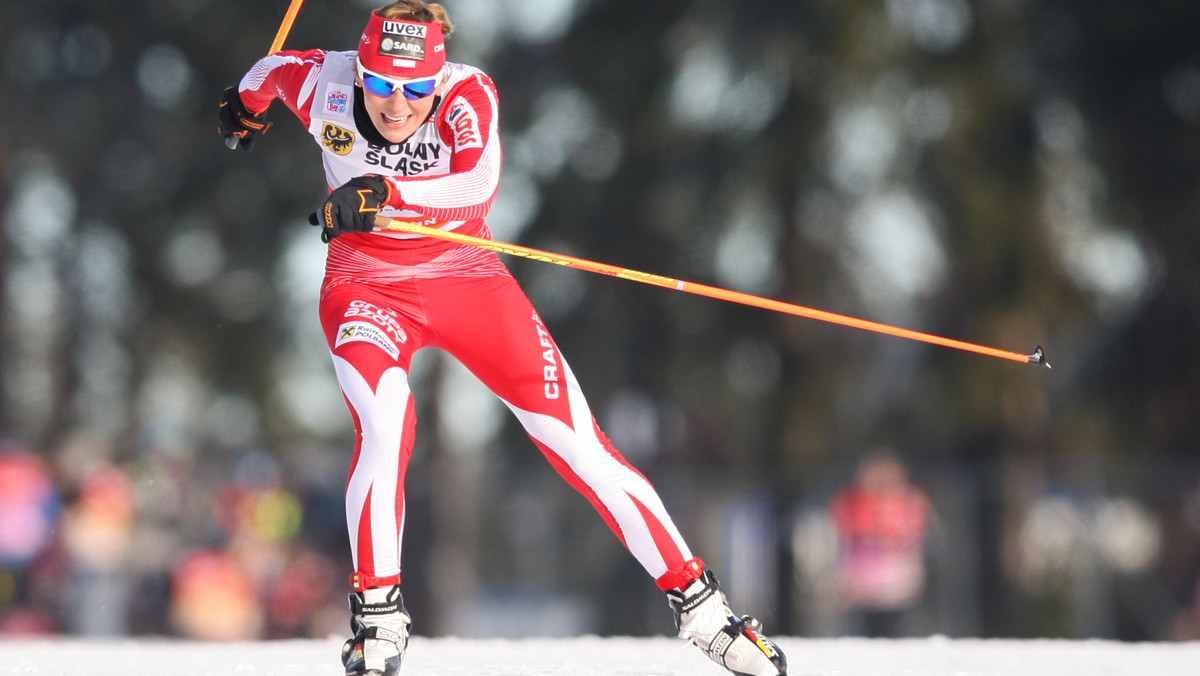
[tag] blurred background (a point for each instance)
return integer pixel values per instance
(173, 446)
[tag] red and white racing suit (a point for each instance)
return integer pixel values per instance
(386, 295)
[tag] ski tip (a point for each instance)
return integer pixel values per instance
(1038, 358)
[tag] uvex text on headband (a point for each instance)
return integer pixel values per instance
(402, 49)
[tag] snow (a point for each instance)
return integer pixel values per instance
(594, 656)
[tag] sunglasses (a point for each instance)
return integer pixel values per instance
(382, 86)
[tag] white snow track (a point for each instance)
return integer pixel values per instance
(592, 656)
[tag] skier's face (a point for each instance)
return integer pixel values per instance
(397, 107)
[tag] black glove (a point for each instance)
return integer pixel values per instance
(237, 124)
(352, 207)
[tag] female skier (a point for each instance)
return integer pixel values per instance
(408, 135)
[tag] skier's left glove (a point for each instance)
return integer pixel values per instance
(238, 124)
(352, 207)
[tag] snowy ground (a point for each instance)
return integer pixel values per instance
(604, 656)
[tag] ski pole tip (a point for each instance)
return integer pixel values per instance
(1038, 358)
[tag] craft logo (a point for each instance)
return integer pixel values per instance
(338, 140)
(352, 332)
(403, 40)
(465, 122)
(337, 102)
(550, 375)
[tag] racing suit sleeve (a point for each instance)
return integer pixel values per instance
(289, 76)
(468, 121)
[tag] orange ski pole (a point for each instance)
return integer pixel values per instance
(286, 27)
(280, 37)
(1038, 358)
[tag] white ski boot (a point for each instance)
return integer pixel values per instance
(381, 626)
(703, 617)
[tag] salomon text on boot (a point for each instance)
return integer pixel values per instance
(703, 617)
(381, 627)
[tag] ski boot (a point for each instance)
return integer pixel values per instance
(381, 626)
(703, 618)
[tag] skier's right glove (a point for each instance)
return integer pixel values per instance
(352, 207)
(237, 124)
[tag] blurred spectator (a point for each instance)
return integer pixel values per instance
(29, 506)
(1185, 625)
(213, 599)
(29, 512)
(97, 530)
(24, 620)
(881, 521)
(294, 600)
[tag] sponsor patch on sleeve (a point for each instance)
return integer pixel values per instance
(351, 332)
(465, 123)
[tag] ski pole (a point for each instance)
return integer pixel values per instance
(286, 27)
(1038, 358)
(280, 37)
